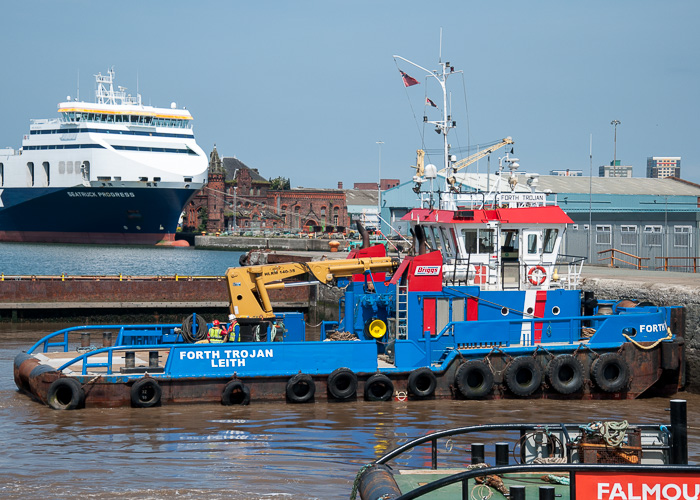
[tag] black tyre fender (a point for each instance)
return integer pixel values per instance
(422, 382)
(610, 372)
(379, 387)
(145, 393)
(342, 383)
(523, 376)
(235, 393)
(300, 388)
(565, 374)
(474, 379)
(65, 394)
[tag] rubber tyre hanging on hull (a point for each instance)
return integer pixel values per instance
(565, 374)
(523, 376)
(145, 393)
(422, 382)
(235, 393)
(610, 372)
(474, 379)
(342, 383)
(65, 394)
(378, 388)
(300, 388)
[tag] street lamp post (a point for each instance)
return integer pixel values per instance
(379, 187)
(615, 123)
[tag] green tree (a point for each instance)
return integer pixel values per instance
(203, 219)
(280, 184)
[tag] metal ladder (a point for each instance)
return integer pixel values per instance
(401, 311)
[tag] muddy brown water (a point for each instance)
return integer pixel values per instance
(261, 451)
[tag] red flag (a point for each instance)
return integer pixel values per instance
(428, 101)
(408, 80)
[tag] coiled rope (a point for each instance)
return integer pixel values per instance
(187, 334)
(613, 433)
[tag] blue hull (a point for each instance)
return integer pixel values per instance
(91, 215)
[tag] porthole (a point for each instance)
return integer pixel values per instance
(529, 311)
(504, 311)
(556, 310)
(629, 331)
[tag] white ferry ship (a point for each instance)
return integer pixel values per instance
(112, 172)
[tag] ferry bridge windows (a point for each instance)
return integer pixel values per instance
(603, 234)
(652, 236)
(628, 236)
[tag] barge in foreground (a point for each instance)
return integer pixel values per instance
(598, 460)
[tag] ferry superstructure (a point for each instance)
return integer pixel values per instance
(113, 171)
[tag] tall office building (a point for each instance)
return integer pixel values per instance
(659, 167)
(615, 170)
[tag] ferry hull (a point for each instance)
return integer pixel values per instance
(91, 215)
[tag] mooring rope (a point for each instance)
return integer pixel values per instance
(668, 336)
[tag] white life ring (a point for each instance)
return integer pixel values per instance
(533, 277)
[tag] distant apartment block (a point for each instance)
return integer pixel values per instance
(615, 170)
(659, 167)
(567, 173)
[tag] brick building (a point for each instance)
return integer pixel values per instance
(238, 197)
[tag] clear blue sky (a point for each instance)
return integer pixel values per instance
(305, 89)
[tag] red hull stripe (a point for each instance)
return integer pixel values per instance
(540, 301)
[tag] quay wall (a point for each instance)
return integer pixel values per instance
(661, 292)
(245, 243)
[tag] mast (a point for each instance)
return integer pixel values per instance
(444, 125)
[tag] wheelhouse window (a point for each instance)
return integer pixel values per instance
(510, 241)
(532, 243)
(550, 240)
(478, 240)
(448, 241)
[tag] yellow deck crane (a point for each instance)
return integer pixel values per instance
(248, 286)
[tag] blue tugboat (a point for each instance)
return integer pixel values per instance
(484, 307)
